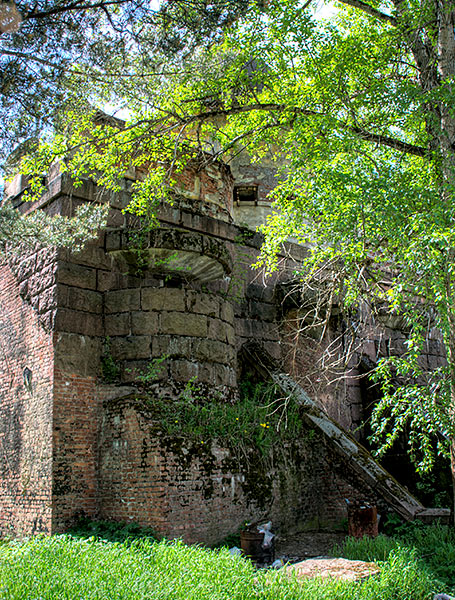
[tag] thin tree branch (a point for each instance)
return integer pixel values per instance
(378, 138)
(74, 6)
(98, 75)
(370, 10)
(37, 59)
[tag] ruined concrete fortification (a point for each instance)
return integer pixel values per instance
(77, 330)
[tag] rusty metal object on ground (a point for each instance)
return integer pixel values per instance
(362, 520)
(252, 544)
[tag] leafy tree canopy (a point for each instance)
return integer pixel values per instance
(359, 110)
(59, 59)
(55, 54)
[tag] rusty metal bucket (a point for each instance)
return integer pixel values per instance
(251, 544)
(362, 520)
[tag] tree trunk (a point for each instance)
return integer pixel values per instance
(452, 465)
(451, 361)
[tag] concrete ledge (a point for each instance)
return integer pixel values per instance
(430, 515)
(170, 251)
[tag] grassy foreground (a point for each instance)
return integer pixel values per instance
(434, 545)
(65, 567)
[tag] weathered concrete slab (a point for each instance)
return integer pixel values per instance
(359, 459)
(335, 568)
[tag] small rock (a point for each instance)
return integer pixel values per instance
(277, 564)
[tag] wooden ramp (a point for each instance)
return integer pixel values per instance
(360, 460)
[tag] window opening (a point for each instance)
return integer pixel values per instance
(245, 193)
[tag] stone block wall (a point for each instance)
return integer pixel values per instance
(190, 328)
(175, 311)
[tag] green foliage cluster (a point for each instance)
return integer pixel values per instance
(19, 231)
(259, 419)
(112, 531)
(152, 372)
(110, 370)
(138, 244)
(434, 488)
(62, 56)
(65, 567)
(433, 546)
(367, 548)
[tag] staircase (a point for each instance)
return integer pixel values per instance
(344, 444)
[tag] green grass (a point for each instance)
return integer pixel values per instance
(434, 545)
(369, 549)
(65, 567)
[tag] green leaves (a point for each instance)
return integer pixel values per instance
(18, 231)
(356, 113)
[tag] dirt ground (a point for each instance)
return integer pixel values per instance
(306, 545)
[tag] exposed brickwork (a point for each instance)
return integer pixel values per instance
(79, 442)
(75, 434)
(25, 410)
(201, 492)
(206, 190)
(131, 483)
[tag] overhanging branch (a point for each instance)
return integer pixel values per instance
(385, 140)
(370, 10)
(73, 6)
(369, 136)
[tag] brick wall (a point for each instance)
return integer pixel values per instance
(26, 409)
(74, 447)
(132, 486)
(202, 492)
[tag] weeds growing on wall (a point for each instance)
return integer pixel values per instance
(153, 371)
(110, 370)
(260, 419)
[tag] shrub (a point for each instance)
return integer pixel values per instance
(112, 531)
